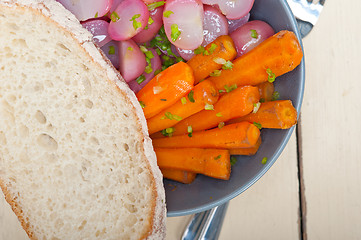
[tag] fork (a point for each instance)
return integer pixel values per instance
(307, 13)
(207, 225)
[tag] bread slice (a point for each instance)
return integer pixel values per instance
(75, 158)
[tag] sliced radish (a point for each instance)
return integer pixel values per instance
(251, 35)
(128, 19)
(183, 23)
(233, 9)
(111, 49)
(185, 54)
(99, 29)
(156, 65)
(215, 24)
(86, 9)
(155, 22)
(132, 60)
(115, 5)
(236, 23)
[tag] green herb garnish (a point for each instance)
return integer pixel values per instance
(275, 96)
(221, 124)
(96, 15)
(183, 100)
(130, 49)
(256, 107)
(142, 104)
(219, 114)
(233, 160)
(111, 50)
(168, 132)
(114, 16)
(227, 65)
(154, 5)
(190, 96)
(271, 75)
(199, 50)
(167, 13)
(231, 88)
(209, 107)
(218, 157)
(215, 73)
(258, 125)
(172, 116)
(212, 48)
(254, 33)
(175, 33)
(140, 79)
(264, 160)
(190, 131)
(136, 24)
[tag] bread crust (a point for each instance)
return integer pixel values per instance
(56, 14)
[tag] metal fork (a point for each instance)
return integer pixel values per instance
(207, 225)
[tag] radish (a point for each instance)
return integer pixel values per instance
(86, 9)
(183, 23)
(99, 29)
(236, 23)
(128, 19)
(233, 9)
(155, 22)
(115, 5)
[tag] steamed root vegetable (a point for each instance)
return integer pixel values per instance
(166, 88)
(236, 23)
(233, 9)
(214, 56)
(111, 50)
(238, 135)
(202, 94)
(275, 56)
(115, 5)
(154, 24)
(275, 114)
(246, 151)
(99, 29)
(132, 60)
(178, 175)
(86, 9)
(251, 35)
(183, 23)
(210, 162)
(236, 103)
(266, 91)
(128, 19)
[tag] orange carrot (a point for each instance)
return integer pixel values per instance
(238, 135)
(166, 88)
(202, 94)
(275, 114)
(211, 162)
(236, 103)
(266, 90)
(246, 151)
(178, 175)
(275, 56)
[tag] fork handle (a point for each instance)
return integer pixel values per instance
(206, 225)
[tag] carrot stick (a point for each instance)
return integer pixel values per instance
(166, 88)
(266, 90)
(275, 114)
(275, 56)
(236, 103)
(211, 162)
(238, 135)
(246, 151)
(178, 175)
(202, 94)
(203, 64)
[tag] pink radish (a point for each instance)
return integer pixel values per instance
(111, 49)
(251, 35)
(183, 23)
(86, 9)
(234, 24)
(99, 29)
(233, 9)
(132, 60)
(115, 5)
(154, 24)
(129, 18)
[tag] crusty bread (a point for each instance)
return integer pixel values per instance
(75, 158)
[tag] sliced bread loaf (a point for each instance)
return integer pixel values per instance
(75, 158)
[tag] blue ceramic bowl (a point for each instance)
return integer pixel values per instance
(205, 193)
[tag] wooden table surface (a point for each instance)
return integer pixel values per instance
(313, 191)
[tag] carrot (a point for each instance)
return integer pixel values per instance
(266, 90)
(238, 135)
(166, 88)
(275, 114)
(211, 162)
(178, 175)
(204, 63)
(236, 103)
(275, 56)
(246, 151)
(202, 94)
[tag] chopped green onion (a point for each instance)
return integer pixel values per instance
(256, 107)
(163, 99)
(150, 21)
(227, 65)
(254, 33)
(172, 116)
(140, 79)
(206, 53)
(142, 104)
(154, 5)
(96, 14)
(175, 33)
(190, 131)
(215, 73)
(158, 51)
(258, 125)
(209, 107)
(183, 100)
(219, 60)
(212, 48)
(143, 49)
(275, 96)
(219, 114)
(271, 75)
(264, 160)
(199, 50)
(218, 157)
(157, 71)
(136, 24)
(221, 124)
(148, 69)
(168, 132)
(167, 13)
(190, 96)
(111, 50)
(130, 48)
(231, 88)
(233, 160)
(149, 54)
(114, 16)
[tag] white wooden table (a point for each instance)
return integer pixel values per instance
(313, 191)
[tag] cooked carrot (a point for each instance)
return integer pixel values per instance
(246, 151)
(238, 135)
(211, 162)
(166, 88)
(275, 114)
(204, 63)
(275, 56)
(266, 90)
(202, 94)
(178, 175)
(236, 103)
